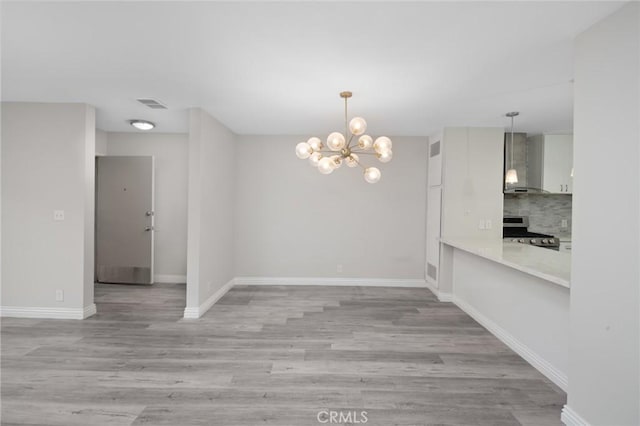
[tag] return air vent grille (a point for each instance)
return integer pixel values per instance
(152, 103)
(434, 149)
(432, 271)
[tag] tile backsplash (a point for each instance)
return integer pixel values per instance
(546, 211)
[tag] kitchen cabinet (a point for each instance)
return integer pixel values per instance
(550, 163)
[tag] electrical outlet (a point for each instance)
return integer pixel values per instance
(339, 267)
(59, 295)
(58, 215)
(488, 224)
(482, 225)
(564, 223)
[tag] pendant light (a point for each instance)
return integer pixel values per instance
(512, 175)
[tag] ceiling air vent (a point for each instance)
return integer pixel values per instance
(152, 103)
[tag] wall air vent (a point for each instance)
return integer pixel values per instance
(432, 271)
(152, 103)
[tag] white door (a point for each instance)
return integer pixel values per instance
(124, 219)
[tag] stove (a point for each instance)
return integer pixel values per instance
(515, 229)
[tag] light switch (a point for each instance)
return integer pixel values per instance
(488, 224)
(482, 225)
(564, 223)
(58, 215)
(59, 295)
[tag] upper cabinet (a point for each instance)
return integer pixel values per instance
(550, 163)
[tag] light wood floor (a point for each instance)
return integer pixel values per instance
(268, 356)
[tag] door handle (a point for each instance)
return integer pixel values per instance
(149, 213)
(149, 228)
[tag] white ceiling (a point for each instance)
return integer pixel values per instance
(277, 68)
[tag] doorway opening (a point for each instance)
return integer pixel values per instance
(140, 188)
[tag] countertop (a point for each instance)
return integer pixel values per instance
(543, 263)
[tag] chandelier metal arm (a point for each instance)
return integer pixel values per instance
(349, 143)
(358, 163)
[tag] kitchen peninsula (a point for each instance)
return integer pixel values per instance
(520, 293)
(549, 265)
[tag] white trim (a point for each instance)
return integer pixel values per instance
(197, 312)
(168, 278)
(571, 418)
(89, 311)
(431, 286)
(542, 365)
(50, 313)
(445, 297)
(191, 313)
(442, 297)
(362, 282)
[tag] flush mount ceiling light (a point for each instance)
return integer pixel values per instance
(342, 148)
(142, 124)
(511, 177)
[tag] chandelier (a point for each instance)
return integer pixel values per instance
(341, 148)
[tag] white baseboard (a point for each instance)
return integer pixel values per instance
(431, 286)
(571, 418)
(445, 297)
(167, 278)
(442, 297)
(89, 311)
(197, 312)
(363, 282)
(542, 365)
(49, 313)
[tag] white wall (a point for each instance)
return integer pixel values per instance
(472, 182)
(101, 142)
(47, 164)
(294, 222)
(472, 167)
(171, 167)
(604, 372)
(88, 259)
(211, 211)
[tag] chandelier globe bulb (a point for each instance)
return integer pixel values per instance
(357, 126)
(315, 158)
(303, 150)
(372, 174)
(365, 142)
(326, 165)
